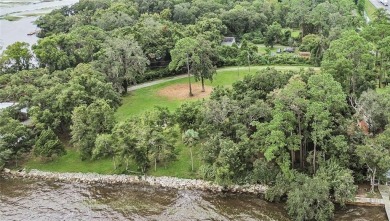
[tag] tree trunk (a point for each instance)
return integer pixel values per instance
(202, 79)
(189, 77)
(125, 84)
(314, 158)
(292, 158)
(155, 164)
(304, 150)
(292, 155)
(192, 160)
(249, 63)
(373, 180)
(300, 143)
(113, 160)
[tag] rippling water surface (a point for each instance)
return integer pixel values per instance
(43, 200)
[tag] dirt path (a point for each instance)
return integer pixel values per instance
(151, 83)
(163, 80)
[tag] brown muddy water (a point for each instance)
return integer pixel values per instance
(48, 200)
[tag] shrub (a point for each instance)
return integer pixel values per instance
(48, 145)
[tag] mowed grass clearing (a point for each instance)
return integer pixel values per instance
(137, 102)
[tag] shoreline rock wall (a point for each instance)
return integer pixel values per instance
(164, 182)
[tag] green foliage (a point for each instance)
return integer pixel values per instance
(183, 13)
(190, 138)
(122, 60)
(104, 146)
(259, 85)
(227, 55)
(197, 56)
(375, 155)
(211, 29)
(50, 55)
(16, 57)
(340, 180)
(309, 200)
(376, 33)
(264, 172)
(187, 116)
(48, 144)
(156, 36)
(373, 108)
(349, 60)
(238, 20)
(309, 42)
(15, 138)
(273, 34)
(154, 74)
(88, 122)
(115, 17)
(279, 190)
(57, 21)
(53, 97)
(147, 139)
(263, 129)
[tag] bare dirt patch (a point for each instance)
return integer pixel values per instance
(364, 191)
(181, 91)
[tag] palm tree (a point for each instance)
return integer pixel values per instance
(190, 138)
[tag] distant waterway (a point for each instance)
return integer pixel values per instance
(26, 12)
(22, 199)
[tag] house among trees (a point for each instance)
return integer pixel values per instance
(228, 41)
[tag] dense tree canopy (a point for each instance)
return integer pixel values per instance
(321, 130)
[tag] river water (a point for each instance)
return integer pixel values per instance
(48, 200)
(27, 11)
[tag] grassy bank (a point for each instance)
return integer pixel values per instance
(71, 162)
(10, 18)
(370, 9)
(136, 103)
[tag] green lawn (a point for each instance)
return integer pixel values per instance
(182, 166)
(136, 103)
(295, 33)
(71, 162)
(370, 9)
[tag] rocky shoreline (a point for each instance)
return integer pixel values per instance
(162, 182)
